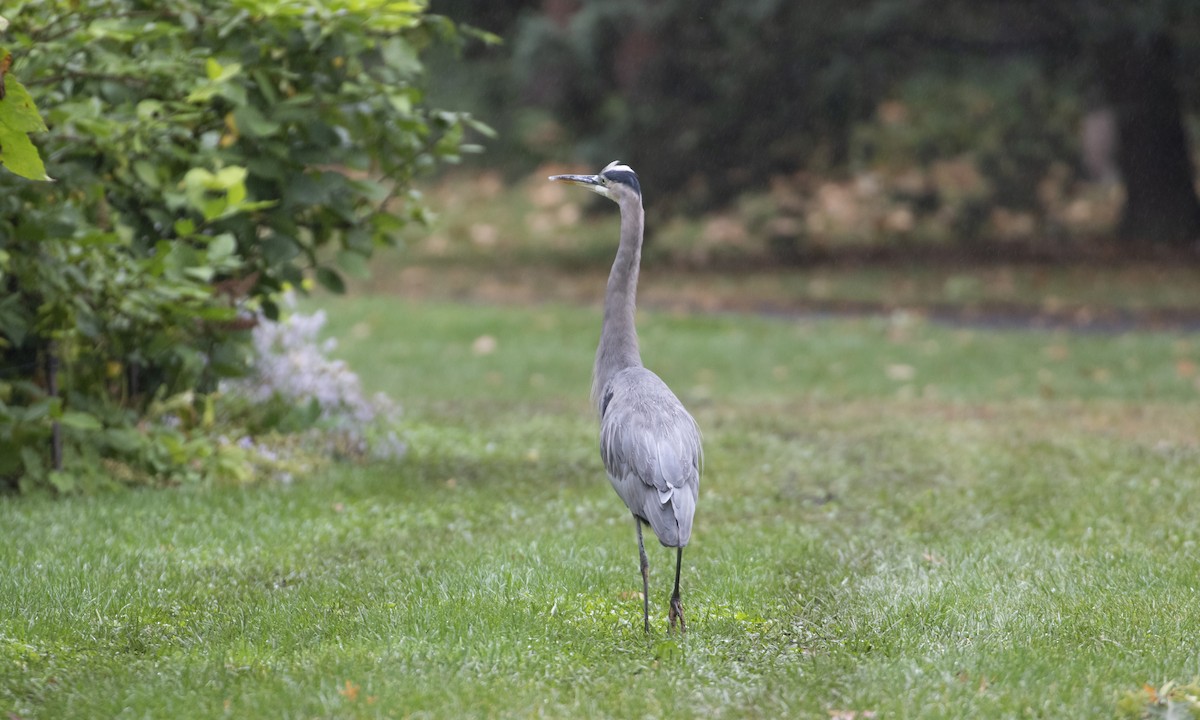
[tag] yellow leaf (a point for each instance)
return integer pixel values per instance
(230, 136)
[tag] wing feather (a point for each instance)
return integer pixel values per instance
(652, 451)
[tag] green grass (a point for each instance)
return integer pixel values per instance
(423, 353)
(895, 517)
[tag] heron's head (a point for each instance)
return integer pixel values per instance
(616, 182)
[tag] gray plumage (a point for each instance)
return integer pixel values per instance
(651, 448)
(649, 443)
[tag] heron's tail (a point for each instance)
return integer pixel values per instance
(670, 515)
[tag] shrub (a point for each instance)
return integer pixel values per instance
(205, 152)
(1009, 119)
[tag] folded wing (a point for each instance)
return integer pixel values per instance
(651, 448)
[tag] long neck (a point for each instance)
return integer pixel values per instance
(618, 337)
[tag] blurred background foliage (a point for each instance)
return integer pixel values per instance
(710, 99)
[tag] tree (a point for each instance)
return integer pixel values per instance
(710, 97)
(1139, 75)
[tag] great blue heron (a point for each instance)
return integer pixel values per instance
(649, 443)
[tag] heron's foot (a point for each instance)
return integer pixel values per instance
(677, 614)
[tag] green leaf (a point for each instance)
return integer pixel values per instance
(236, 196)
(480, 127)
(218, 83)
(256, 205)
(80, 420)
(184, 227)
(10, 458)
(62, 481)
(330, 280)
(221, 247)
(17, 109)
(400, 56)
(270, 310)
(202, 273)
(18, 154)
(149, 109)
(228, 177)
(32, 460)
(312, 188)
(482, 35)
(220, 73)
(203, 93)
(251, 123)
(14, 320)
(401, 103)
(220, 194)
(44, 408)
(110, 29)
(147, 173)
(354, 263)
(124, 439)
(387, 226)
(278, 249)
(359, 240)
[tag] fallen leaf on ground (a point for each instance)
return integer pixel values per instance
(484, 345)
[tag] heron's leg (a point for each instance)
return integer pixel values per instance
(645, 563)
(676, 605)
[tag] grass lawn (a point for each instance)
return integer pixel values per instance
(896, 518)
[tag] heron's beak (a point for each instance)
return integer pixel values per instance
(591, 182)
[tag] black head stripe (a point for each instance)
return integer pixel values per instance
(624, 177)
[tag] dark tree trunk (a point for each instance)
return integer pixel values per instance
(1152, 150)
